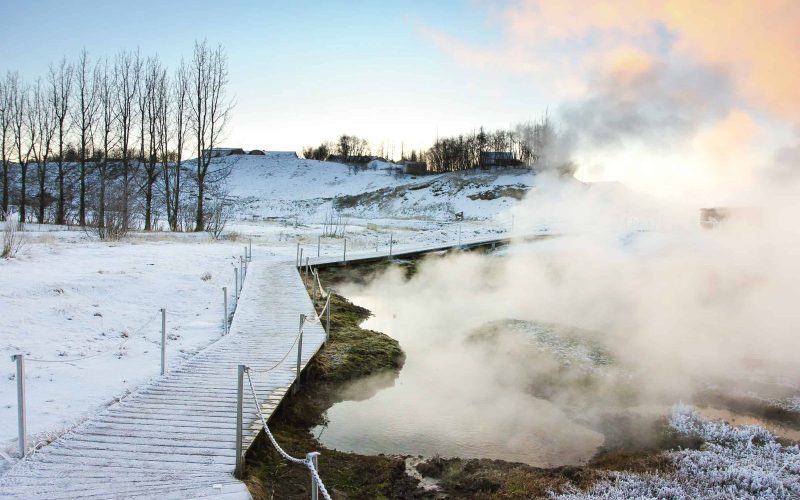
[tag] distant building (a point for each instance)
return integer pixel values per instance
(414, 167)
(220, 152)
(491, 159)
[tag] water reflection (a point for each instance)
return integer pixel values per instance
(450, 400)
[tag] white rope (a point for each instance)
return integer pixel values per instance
(318, 316)
(90, 356)
(319, 283)
(291, 348)
(303, 461)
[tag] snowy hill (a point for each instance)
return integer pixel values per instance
(281, 185)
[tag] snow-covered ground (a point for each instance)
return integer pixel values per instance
(86, 315)
(733, 462)
(278, 185)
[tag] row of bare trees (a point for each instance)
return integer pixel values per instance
(107, 140)
(528, 143)
(345, 145)
(533, 144)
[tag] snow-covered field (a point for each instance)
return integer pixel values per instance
(86, 315)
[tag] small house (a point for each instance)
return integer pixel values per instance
(491, 159)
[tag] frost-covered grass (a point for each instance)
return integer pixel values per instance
(733, 462)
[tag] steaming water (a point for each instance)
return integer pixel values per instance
(451, 406)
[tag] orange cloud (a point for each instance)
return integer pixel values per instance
(756, 42)
(759, 42)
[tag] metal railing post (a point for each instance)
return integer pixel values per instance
(297, 255)
(306, 268)
(344, 255)
(315, 462)
(163, 339)
(299, 352)
(319, 242)
(250, 249)
(300, 264)
(239, 421)
(241, 273)
(328, 315)
(391, 242)
(225, 310)
(236, 280)
(21, 420)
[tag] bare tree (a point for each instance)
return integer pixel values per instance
(24, 135)
(180, 121)
(60, 94)
(83, 116)
(105, 91)
(155, 90)
(127, 74)
(351, 145)
(210, 110)
(42, 119)
(6, 140)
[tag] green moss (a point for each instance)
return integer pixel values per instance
(353, 352)
(350, 353)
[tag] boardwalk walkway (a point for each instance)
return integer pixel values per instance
(175, 437)
(409, 250)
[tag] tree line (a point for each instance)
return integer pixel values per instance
(532, 144)
(104, 142)
(526, 142)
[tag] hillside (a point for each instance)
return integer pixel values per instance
(281, 185)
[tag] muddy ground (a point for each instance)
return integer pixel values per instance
(353, 352)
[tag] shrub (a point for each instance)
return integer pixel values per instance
(12, 237)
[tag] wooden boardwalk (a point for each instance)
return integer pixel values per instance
(175, 437)
(408, 251)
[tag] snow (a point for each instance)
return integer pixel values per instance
(734, 462)
(278, 185)
(90, 311)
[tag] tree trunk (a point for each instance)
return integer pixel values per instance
(60, 219)
(61, 208)
(101, 205)
(23, 190)
(42, 174)
(148, 200)
(200, 225)
(177, 195)
(125, 188)
(5, 186)
(82, 196)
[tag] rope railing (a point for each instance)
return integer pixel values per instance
(319, 284)
(97, 354)
(310, 457)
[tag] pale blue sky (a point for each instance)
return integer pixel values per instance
(300, 71)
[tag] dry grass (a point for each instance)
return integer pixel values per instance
(12, 237)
